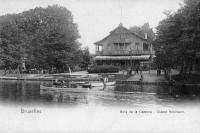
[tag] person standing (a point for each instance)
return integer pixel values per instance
(137, 71)
(104, 80)
(141, 76)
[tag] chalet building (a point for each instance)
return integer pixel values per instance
(124, 48)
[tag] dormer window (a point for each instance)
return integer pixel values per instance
(145, 47)
(99, 48)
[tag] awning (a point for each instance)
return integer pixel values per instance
(141, 57)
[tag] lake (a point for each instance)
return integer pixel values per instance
(28, 92)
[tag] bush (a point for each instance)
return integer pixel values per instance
(187, 78)
(103, 69)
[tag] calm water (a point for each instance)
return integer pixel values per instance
(28, 92)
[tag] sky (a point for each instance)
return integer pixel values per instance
(96, 18)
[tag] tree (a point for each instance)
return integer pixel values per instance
(86, 58)
(178, 37)
(46, 37)
(142, 30)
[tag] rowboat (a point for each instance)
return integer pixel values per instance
(78, 89)
(100, 84)
(96, 84)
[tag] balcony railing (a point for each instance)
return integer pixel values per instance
(124, 52)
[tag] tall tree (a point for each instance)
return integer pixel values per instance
(178, 37)
(86, 58)
(142, 30)
(46, 37)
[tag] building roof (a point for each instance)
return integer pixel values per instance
(122, 31)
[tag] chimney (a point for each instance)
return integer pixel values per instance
(145, 35)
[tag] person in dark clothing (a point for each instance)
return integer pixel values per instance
(137, 70)
(57, 83)
(130, 72)
(141, 78)
(157, 72)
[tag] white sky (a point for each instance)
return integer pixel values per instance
(96, 18)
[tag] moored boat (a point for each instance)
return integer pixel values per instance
(78, 89)
(100, 84)
(97, 84)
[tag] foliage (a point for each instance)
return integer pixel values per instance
(45, 37)
(187, 78)
(103, 69)
(178, 37)
(142, 30)
(86, 58)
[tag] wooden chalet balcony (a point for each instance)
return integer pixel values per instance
(124, 52)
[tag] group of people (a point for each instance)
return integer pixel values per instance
(158, 71)
(141, 74)
(58, 82)
(136, 72)
(64, 84)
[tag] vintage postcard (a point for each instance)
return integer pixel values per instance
(69, 66)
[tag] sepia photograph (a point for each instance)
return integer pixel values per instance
(73, 66)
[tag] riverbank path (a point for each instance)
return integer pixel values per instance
(148, 76)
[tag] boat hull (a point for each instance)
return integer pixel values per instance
(100, 84)
(79, 89)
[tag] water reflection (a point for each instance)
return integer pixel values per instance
(18, 91)
(63, 97)
(120, 95)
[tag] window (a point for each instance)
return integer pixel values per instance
(145, 47)
(137, 45)
(121, 45)
(99, 48)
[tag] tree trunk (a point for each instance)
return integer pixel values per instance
(190, 68)
(182, 67)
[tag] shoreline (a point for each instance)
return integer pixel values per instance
(118, 82)
(149, 79)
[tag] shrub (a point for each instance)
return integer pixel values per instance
(187, 78)
(103, 69)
